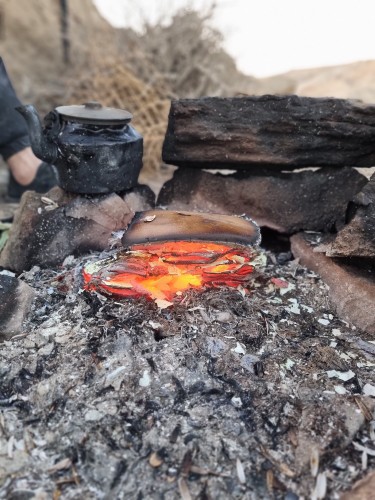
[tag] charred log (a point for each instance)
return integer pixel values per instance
(280, 132)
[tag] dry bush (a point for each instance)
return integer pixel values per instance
(183, 58)
(186, 53)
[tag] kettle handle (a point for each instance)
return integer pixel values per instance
(52, 125)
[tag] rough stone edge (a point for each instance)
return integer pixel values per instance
(352, 295)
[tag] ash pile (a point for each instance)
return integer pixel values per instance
(262, 390)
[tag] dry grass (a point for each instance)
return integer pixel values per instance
(187, 53)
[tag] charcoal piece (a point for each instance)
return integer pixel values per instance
(351, 288)
(16, 298)
(357, 238)
(271, 131)
(286, 202)
(45, 232)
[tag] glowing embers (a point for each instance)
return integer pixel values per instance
(163, 270)
(166, 253)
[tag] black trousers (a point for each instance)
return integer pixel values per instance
(14, 135)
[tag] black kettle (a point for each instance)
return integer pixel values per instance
(94, 148)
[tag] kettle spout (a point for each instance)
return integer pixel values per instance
(41, 146)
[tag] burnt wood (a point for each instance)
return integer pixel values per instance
(270, 131)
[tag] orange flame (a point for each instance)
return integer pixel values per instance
(164, 270)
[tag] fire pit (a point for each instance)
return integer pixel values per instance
(219, 393)
(237, 379)
(171, 252)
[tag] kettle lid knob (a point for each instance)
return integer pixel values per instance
(93, 105)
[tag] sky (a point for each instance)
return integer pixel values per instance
(267, 37)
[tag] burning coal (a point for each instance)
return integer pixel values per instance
(167, 253)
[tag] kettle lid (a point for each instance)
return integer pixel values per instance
(94, 113)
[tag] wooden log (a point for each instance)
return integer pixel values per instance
(280, 132)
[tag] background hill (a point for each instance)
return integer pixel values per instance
(349, 81)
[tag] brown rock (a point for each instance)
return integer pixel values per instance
(345, 422)
(270, 131)
(362, 490)
(351, 289)
(287, 202)
(16, 298)
(45, 232)
(357, 239)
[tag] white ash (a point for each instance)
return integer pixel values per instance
(96, 385)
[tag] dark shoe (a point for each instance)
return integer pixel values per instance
(44, 180)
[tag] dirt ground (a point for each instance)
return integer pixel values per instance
(227, 394)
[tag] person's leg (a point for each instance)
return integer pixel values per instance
(14, 136)
(24, 166)
(27, 172)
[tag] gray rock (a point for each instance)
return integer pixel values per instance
(45, 233)
(248, 362)
(16, 298)
(357, 238)
(287, 202)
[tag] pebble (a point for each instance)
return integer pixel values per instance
(29, 344)
(155, 460)
(116, 377)
(293, 308)
(223, 317)
(47, 349)
(324, 322)
(236, 402)
(239, 349)
(248, 362)
(369, 390)
(145, 380)
(215, 346)
(93, 416)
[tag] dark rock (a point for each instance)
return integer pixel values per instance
(287, 202)
(270, 131)
(351, 289)
(16, 298)
(357, 238)
(44, 233)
